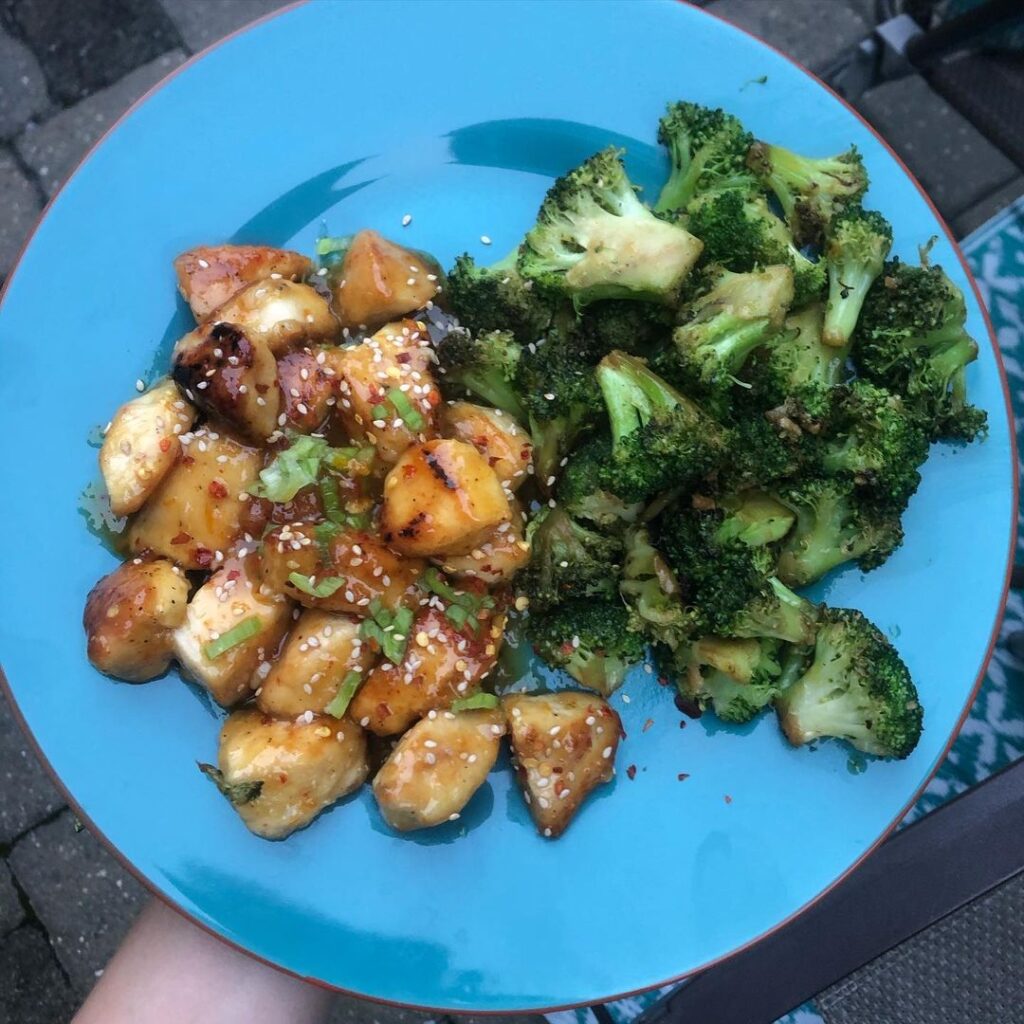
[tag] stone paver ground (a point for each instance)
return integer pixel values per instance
(67, 70)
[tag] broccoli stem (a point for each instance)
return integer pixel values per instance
(847, 289)
(634, 395)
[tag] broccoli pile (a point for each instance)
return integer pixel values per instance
(730, 393)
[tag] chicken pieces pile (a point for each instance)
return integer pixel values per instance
(326, 546)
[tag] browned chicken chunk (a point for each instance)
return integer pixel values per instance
(209, 275)
(563, 745)
(130, 616)
(495, 435)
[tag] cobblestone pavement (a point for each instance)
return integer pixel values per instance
(67, 70)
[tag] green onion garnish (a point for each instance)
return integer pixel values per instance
(324, 533)
(478, 701)
(405, 409)
(236, 635)
(238, 793)
(389, 629)
(379, 412)
(463, 608)
(332, 244)
(344, 696)
(322, 588)
(456, 615)
(330, 500)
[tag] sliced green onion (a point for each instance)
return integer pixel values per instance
(403, 621)
(344, 696)
(322, 588)
(324, 533)
(329, 244)
(237, 792)
(330, 499)
(379, 412)
(296, 467)
(385, 627)
(405, 409)
(236, 635)
(339, 458)
(477, 702)
(456, 615)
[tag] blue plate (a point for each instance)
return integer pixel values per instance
(459, 114)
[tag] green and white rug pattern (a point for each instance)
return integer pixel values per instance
(993, 734)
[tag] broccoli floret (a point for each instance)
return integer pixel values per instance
(795, 379)
(741, 233)
(591, 640)
(875, 444)
(728, 582)
(560, 395)
(594, 239)
(857, 688)
(568, 560)
(485, 365)
(496, 298)
(858, 242)
(759, 454)
(581, 491)
(634, 327)
(737, 678)
(741, 313)
(707, 149)
(911, 339)
(753, 518)
(810, 191)
(660, 439)
(834, 525)
(651, 590)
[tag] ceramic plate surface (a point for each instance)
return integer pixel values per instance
(460, 114)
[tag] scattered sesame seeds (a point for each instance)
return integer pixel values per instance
(606, 753)
(406, 220)
(485, 239)
(140, 385)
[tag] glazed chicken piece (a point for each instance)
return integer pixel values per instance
(437, 767)
(142, 444)
(563, 746)
(441, 663)
(380, 281)
(308, 379)
(441, 498)
(495, 435)
(498, 557)
(196, 510)
(279, 775)
(321, 649)
(130, 616)
(230, 629)
(346, 573)
(209, 275)
(281, 314)
(387, 396)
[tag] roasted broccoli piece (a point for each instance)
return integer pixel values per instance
(660, 439)
(758, 454)
(834, 525)
(591, 640)
(581, 491)
(560, 395)
(753, 518)
(740, 233)
(795, 379)
(874, 443)
(707, 149)
(857, 688)
(730, 583)
(485, 365)
(496, 298)
(911, 339)
(594, 239)
(634, 327)
(737, 678)
(810, 191)
(568, 560)
(651, 590)
(858, 242)
(739, 314)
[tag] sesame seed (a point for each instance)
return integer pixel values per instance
(406, 220)
(140, 385)
(485, 239)
(606, 753)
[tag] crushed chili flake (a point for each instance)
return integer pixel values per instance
(683, 776)
(682, 723)
(728, 799)
(631, 771)
(181, 538)
(217, 489)
(203, 557)
(234, 574)
(165, 444)
(647, 724)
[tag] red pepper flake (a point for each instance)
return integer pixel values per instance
(567, 648)
(217, 489)
(728, 799)
(165, 444)
(663, 680)
(682, 723)
(187, 460)
(647, 724)
(181, 538)
(403, 357)
(683, 776)
(631, 771)
(234, 574)
(408, 471)
(203, 557)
